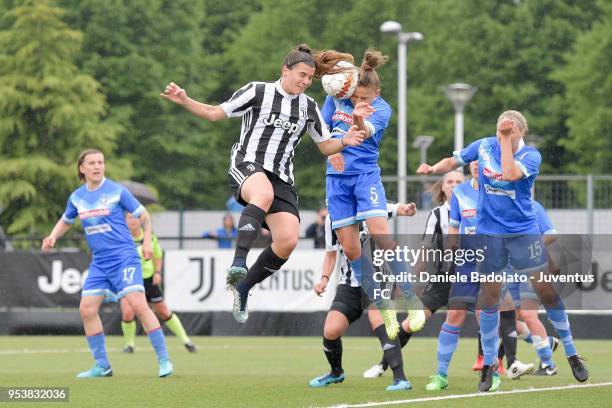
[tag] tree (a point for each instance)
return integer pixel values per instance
(49, 111)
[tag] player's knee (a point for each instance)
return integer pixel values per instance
(289, 243)
(455, 317)
(264, 198)
(87, 311)
(352, 252)
(127, 315)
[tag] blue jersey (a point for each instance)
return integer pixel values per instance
(463, 204)
(544, 223)
(504, 207)
(102, 215)
(338, 115)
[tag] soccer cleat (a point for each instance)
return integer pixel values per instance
(240, 310)
(128, 349)
(478, 363)
(578, 368)
(235, 275)
(399, 385)
(437, 383)
(391, 324)
(545, 370)
(416, 314)
(554, 343)
(489, 378)
(375, 371)
(96, 372)
(325, 380)
(191, 347)
(518, 369)
(165, 368)
(500, 366)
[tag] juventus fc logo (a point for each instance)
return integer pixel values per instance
(206, 281)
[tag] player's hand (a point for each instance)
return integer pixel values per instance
(407, 210)
(425, 168)
(157, 278)
(506, 127)
(174, 93)
(320, 286)
(48, 243)
(354, 136)
(337, 162)
(363, 110)
(147, 251)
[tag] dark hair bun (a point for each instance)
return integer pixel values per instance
(304, 48)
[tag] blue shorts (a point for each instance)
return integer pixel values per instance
(525, 253)
(354, 198)
(464, 292)
(521, 290)
(114, 280)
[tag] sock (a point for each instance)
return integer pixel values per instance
(129, 332)
(543, 350)
(558, 317)
(398, 268)
(267, 264)
(501, 352)
(489, 331)
(403, 336)
(176, 327)
(333, 352)
(249, 226)
(447, 344)
(97, 346)
(507, 328)
(392, 352)
(158, 341)
(480, 352)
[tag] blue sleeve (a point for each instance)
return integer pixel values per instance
(129, 203)
(379, 120)
(455, 212)
(468, 154)
(70, 213)
(544, 222)
(329, 107)
(529, 162)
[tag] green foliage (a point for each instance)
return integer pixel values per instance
(49, 112)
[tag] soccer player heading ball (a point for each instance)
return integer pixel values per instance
(275, 116)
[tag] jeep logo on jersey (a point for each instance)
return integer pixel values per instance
(274, 120)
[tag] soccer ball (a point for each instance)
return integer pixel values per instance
(342, 84)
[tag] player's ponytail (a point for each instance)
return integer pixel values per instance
(368, 77)
(301, 53)
(81, 160)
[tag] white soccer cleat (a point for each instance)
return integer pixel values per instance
(518, 369)
(240, 310)
(375, 371)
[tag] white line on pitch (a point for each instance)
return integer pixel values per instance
(480, 394)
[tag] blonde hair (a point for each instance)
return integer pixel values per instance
(326, 62)
(517, 117)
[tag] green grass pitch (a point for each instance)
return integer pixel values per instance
(274, 372)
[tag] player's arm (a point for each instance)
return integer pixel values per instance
(176, 94)
(58, 231)
(353, 137)
(441, 167)
(147, 227)
(361, 112)
(506, 130)
(329, 262)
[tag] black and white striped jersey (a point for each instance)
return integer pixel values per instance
(273, 123)
(367, 243)
(435, 236)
